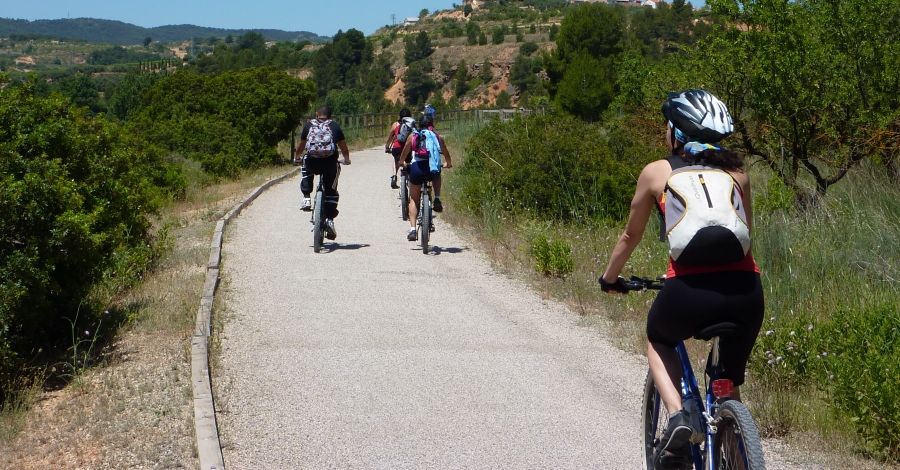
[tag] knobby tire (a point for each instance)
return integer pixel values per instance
(426, 221)
(318, 223)
(737, 444)
(404, 197)
(653, 424)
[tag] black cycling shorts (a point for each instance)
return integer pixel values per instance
(397, 151)
(688, 304)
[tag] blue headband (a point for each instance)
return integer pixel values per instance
(695, 148)
(679, 136)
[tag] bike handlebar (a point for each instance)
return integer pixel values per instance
(634, 283)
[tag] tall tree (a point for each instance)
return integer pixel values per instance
(591, 35)
(462, 77)
(339, 63)
(418, 82)
(418, 47)
(485, 74)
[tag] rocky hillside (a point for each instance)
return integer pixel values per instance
(447, 32)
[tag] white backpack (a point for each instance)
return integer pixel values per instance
(705, 220)
(320, 141)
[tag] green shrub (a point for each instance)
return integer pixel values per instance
(528, 48)
(777, 196)
(862, 360)
(552, 167)
(229, 122)
(73, 200)
(552, 258)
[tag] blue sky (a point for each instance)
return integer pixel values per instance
(323, 17)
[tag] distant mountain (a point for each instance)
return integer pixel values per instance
(117, 32)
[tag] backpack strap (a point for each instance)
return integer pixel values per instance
(676, 162)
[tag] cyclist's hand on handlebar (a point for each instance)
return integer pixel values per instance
(619, 287)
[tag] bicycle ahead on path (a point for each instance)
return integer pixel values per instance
(317, 218)
(727, 437)
(425, 222)
(404, 194)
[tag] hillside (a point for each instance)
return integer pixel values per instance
(447, 32)
(117, 32)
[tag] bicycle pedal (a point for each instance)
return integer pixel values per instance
(698, 437)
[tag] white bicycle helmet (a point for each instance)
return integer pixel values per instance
(699, 115)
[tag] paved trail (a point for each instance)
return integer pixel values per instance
(373, 355)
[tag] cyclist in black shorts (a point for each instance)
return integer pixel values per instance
(328, 166)
(693, 297)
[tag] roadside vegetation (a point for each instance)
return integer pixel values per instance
(822, 154)
(122, 156)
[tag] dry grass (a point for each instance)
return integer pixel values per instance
(135, 410)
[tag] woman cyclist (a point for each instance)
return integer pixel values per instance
(419, 170)
(693, 297)
(394, 146)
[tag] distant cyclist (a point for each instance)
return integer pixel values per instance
(696, 295)
(419, 171)
(320, 139)
(396, 139)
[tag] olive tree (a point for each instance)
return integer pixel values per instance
(812, 85)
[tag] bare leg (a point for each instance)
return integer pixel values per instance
(436, 184)
(415, 192)
(665, 367)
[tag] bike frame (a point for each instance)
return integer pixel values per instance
(690, 390)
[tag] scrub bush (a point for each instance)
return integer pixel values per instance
(73, 201)
(551, 167)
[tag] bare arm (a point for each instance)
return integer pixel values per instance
(345, 151)
(446, 153)
(649, 186)
(390, 138)
(406, 149)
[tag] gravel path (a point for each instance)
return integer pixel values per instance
(373, 355)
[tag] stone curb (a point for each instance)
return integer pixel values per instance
(209, 448)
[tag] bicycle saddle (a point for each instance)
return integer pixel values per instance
(717, 329)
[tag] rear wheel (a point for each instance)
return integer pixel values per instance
(404, 196)
(318, 223)
(736, 444)
(425, 229)
(654, 417)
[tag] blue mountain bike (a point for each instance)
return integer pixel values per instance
(727, 437)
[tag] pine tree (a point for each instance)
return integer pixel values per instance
(485, 73)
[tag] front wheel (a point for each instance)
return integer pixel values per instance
(736, 444)
(655, 418)
(404, 196)
(425, 228)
